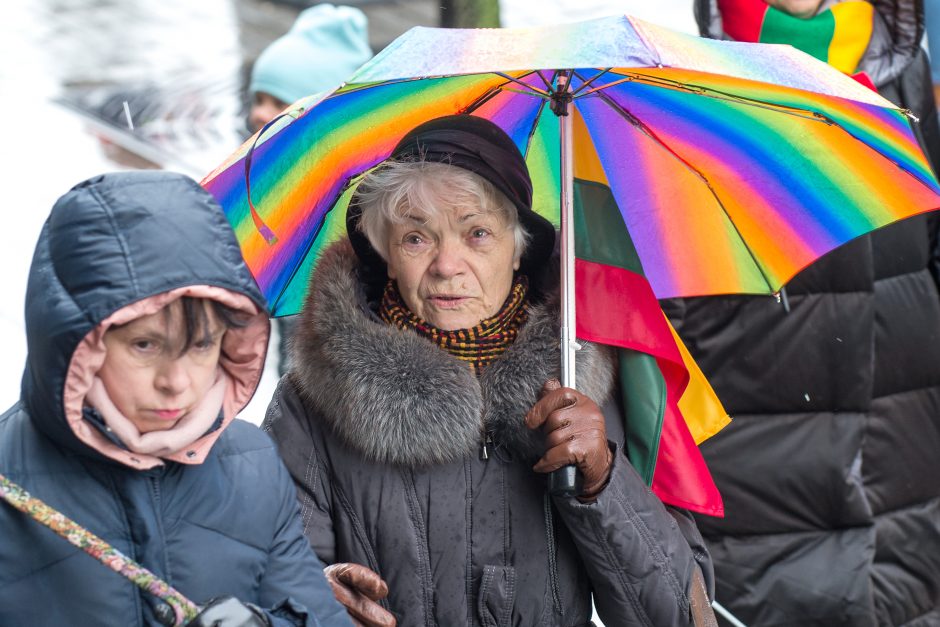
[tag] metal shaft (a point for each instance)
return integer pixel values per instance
(566, 481)
(568, 320)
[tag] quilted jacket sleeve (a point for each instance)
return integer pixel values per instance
(638, 559)
(287, 423)
(295, 575)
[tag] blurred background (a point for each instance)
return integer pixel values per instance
(90, 86)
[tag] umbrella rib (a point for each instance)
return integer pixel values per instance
(585, 84)
(297, 266)
(488, 95)
(293, 273)
(548, 85)
(535, 125)
(526, 93)
(646, 130)
(541, 92)
(807, 114)
(832, 122)
(353, 88)
(493, 91)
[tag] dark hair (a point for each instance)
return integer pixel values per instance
(196, 319)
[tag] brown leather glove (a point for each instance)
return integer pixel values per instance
(358, 588)
(574, 434)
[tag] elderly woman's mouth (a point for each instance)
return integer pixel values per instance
(447, 301)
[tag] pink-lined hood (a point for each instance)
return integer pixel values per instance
(241, 365)
(116, 247)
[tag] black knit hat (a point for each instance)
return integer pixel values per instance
(477, 145)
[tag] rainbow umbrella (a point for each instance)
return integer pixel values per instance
(685, 166)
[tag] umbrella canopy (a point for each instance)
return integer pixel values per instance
(734, 165)
(699, 167)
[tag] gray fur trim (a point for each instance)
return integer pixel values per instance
(397, 398)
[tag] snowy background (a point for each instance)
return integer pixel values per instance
(66, 65)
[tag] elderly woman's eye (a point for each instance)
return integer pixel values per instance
(413, 239)
(479, 233)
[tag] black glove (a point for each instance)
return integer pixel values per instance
(229, 612)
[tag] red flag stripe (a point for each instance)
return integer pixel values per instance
(617, 307)
(681, 477)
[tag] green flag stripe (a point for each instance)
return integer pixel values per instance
(643, 393)
(601, 237)
(812, 36)
(599, 231)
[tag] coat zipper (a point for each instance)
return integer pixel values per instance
(486, 445)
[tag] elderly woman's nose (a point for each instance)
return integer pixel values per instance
(448, 258)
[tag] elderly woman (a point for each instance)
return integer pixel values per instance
(422, 412)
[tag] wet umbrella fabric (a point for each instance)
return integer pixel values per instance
(706, 167)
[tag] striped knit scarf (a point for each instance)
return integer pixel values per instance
(479, 345)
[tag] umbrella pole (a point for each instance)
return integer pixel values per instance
(568, 315)
(566, 481)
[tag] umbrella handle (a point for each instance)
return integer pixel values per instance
(566, 481)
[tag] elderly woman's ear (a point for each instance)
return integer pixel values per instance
(574, 434)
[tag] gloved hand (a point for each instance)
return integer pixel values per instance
(574, 434)
(229, 612)
(358, 588)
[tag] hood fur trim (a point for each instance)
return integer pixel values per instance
(397, 398)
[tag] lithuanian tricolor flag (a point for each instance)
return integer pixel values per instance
(839, 35)
(669, 406)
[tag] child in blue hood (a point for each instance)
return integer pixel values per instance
(322, 49)
(146, 336)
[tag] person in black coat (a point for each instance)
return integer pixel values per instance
(829, 469)
(146, 335)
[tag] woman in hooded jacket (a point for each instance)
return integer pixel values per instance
(829, 469)
(146, 335)
(421, 412)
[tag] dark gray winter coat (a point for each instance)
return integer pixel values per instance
(227, 526)
(382, 433)
(830, 470)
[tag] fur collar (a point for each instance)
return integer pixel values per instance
(397, 398)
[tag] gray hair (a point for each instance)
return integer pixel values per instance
(387, 194)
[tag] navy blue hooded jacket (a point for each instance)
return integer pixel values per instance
(225, 525)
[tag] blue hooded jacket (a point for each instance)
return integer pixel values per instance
(229, 525)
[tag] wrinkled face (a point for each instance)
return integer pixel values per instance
(453, 269)
(148, 378)
(802, 9)
(264, 108)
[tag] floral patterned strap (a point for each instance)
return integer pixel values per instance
(183, 609)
